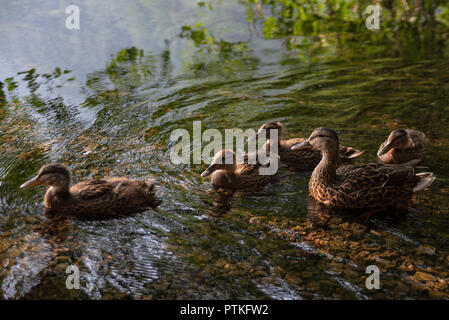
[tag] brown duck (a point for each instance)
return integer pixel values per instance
(403, 146)
(229, 174)
(90, 199)
(305, 158)
(360, 186)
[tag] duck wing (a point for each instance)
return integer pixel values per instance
(249, 169)
(114, 196)
(291, 142)
(372, 175)
(248, 177)
(93, 189)
(349, 152)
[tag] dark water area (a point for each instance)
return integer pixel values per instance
(104, 100)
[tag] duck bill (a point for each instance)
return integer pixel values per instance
(383, 150)
(300, 145)
(208, 171)
(31, 183)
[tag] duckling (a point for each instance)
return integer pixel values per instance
(105, 198)
(360, 186)
(403, 146)
(228, 174)
(301, 159)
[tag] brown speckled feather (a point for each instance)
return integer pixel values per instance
(366, 186)
(245, 178)
(106, 198)
(360, 186)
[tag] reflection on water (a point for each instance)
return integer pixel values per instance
(108, 110)
(221, 201)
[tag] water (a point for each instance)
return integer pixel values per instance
(104, 100)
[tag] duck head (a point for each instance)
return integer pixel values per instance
(323, 139)
(54, 174)
(397, 139)
(267, 128)
(224, 160)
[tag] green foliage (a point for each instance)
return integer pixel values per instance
(2, 95)
(442, 15)
(10, 84)
(129, 67)
(413, 29)
(342, 22)
(197, 34)
(215, 56)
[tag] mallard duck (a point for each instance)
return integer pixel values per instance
(360, 186)
(301, 159)
(233, 176)
(105, 198)
(403, 146)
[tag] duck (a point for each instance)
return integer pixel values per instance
(370, 185)
(91, 199)
(231, 175)
(301, 159)
(403, 145)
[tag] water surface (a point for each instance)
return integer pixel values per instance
(104, 100)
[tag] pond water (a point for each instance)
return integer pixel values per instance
(104, 100)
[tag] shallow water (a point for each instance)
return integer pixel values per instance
(104, 100)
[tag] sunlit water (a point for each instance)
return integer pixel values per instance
(104, 100)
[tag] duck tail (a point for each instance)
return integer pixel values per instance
(152, 189)
(154, 203)
(426, 179)
(151, 186)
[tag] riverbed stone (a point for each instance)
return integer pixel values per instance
(423, 276)
(293, 278)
